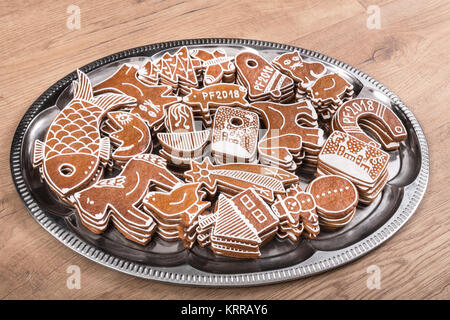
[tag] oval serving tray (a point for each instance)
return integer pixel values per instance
(281, 260)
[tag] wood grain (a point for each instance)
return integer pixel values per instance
(409, 54)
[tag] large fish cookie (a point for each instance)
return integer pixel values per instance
(73, 151)
(233, 178)
(242, 225)
(129, 134)
(356, 160)
(296, 211)
(287, 132)
(178, 211)
(179, 71)
(151, 99)
(304, 73)
(206, 100)
(234, 135)
(217, 66)
(262, 81)
(336, 198)
(377, 115)
(119, 198)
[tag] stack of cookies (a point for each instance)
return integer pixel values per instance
(206, 100)
(176, 213)
(287, 209)
(242, 225)
(179, 71)
(375, 118)
(292, 134)
(216, 66)
(297, 214)
(328, 93)
(304, 73)
(364, 165)
(234, 136)
(119, 198)
(262, 80)
(206, 223)
(311, 149)
(181, 143)
(336, 199)
(149, 73)
(129, 136)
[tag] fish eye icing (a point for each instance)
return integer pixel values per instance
(227, 309)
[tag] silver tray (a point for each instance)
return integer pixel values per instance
(281, 260)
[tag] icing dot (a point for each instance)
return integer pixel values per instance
(323, 194)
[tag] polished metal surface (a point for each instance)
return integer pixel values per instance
(169, 261)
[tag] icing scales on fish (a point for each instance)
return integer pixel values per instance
(73, 150)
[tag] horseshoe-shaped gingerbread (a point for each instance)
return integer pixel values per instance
(379, 120)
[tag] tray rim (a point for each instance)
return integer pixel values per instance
(186, 275)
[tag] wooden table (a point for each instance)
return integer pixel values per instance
(409, 54)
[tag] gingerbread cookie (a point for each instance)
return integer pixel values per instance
(336, 198)
(179, 118)
(149, 73)
(235, 177)
(177, 212)
(151, 99)
(179, 71)
(234, 135)
(73, 152)
(296, 211)
(119, 198)
(242, 225)
(205, 225)
(288, 128)
(233, 235)
(263, 82)
(205, 101)
(378, 119)
(328, 93)
(182, 143)
(217, 66)
(359, 162)
(304, 73)
(129, 135)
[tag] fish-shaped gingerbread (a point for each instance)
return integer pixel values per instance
(73, 150)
